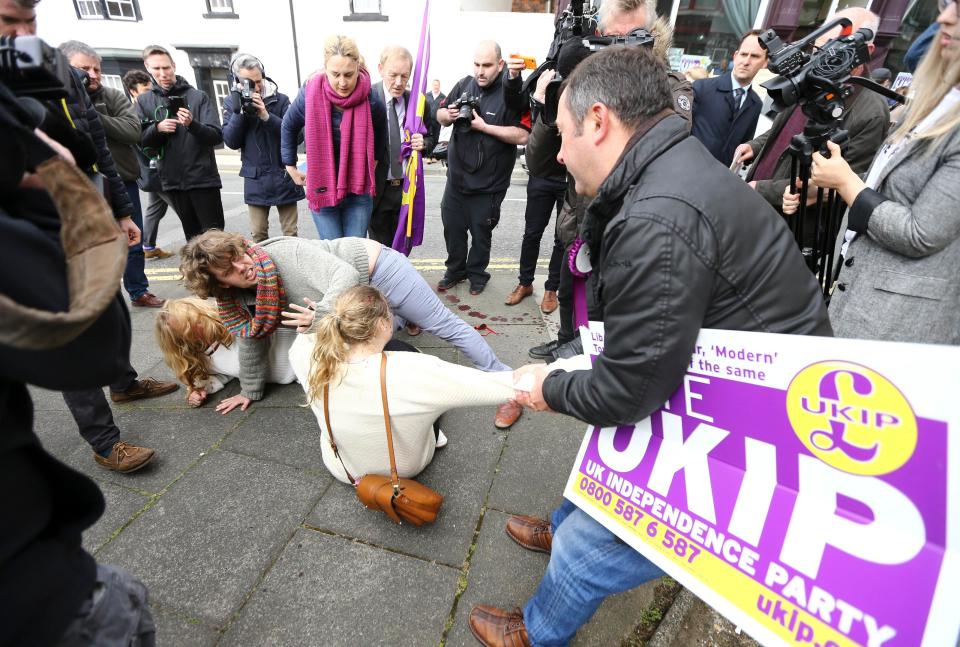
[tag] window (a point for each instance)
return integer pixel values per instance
(220, 90)
(107, 9)
(220, 9)
(89, 9)
(112, 81)
(365, 10)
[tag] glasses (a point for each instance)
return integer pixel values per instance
(943, 5)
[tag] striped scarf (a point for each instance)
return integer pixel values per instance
(270, 297)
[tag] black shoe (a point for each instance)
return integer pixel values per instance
(446, 283)
(477, 288)
(566, 351)
(544, 351)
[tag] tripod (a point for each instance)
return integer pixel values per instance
(816, 231)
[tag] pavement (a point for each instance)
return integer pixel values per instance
(243, 538)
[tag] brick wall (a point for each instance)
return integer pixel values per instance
(532, 6)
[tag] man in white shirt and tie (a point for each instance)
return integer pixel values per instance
(395, 66)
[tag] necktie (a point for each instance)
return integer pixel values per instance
(737, 96)
(396, 168)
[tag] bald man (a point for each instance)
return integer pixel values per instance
(481, 155)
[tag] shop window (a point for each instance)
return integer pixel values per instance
(107, 9)
(920, 15)
(712, 29)
(112, 81)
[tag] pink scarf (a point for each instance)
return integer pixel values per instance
(326, 185)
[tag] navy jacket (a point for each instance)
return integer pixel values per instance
(292, 129)
(266, 182)
(714, 121)
(187, 160)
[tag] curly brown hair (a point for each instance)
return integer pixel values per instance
(211, 250)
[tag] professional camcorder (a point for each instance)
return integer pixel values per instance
(466, 105)
(30, 67)
(245, 94)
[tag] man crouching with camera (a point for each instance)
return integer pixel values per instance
(669, 257)
(481, 156)
(252, 115)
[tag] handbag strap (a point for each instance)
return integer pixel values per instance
(333, 443)
(395, 478)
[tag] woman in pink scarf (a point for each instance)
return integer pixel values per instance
(340, 125)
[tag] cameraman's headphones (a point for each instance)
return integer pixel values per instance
(236, 59)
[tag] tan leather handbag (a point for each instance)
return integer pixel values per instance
(400, 499)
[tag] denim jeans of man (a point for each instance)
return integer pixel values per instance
(588, 563)
(134, 279)
(350, 217)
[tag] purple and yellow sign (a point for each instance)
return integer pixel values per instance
(806, 488)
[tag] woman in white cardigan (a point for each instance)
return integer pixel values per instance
(344, 355)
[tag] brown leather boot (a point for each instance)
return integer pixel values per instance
(498, 628)
(125, 458)
(142, 389)
(532, 533)
(519, 293)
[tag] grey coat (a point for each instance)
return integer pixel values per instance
(900, 281)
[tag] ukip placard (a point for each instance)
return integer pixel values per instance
(805, 487)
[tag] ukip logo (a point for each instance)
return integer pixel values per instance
(851, 417)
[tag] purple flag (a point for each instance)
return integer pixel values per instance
(412, 209)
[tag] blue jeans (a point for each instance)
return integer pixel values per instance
(348, 218)
(134, 278)
(587, 564)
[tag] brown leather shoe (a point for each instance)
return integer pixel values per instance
(145, 388)
(507, 414)
(125, 457)
(498, 628)
(532, 533)
(147, 300)
(519, 293)
(413, 329)
(549, 302)
(156, 252)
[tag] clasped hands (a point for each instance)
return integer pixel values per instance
(531, 376)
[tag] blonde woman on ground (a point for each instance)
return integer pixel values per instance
(202, 354)
(344, 356)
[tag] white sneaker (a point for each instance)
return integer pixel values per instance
(441, 440)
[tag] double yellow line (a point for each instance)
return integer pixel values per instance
(421, 264)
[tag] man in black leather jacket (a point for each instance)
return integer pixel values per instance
(669, 257)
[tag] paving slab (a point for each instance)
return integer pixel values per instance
(174, 629)
(180, 437)
(46, 400)
(505, 575)
(532, 473)
(691, 621)
(289, 436)
(326, 590)
(205, 543)
(122, 505)
(461, 472)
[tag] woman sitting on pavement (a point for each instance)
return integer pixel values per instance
(202, 354)
(344, 355)
(902, 250)
(290, 271)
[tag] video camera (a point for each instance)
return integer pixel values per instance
(30, 67)
(245, 94)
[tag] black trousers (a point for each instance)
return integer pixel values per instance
(478, 214)
(386, 214)
(198, 209)
(565, 299)
(91, 412)
(543, 196)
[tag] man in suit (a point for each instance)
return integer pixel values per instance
(434, 98)
(395, 66)
(725, 108)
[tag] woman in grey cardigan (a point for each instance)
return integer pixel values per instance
(899, 278)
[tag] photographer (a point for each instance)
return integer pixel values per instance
(180, 125)
(252, 115)
(121, 128)
(51, 590)
(669, 257)
(866, 120)
(482, 153)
